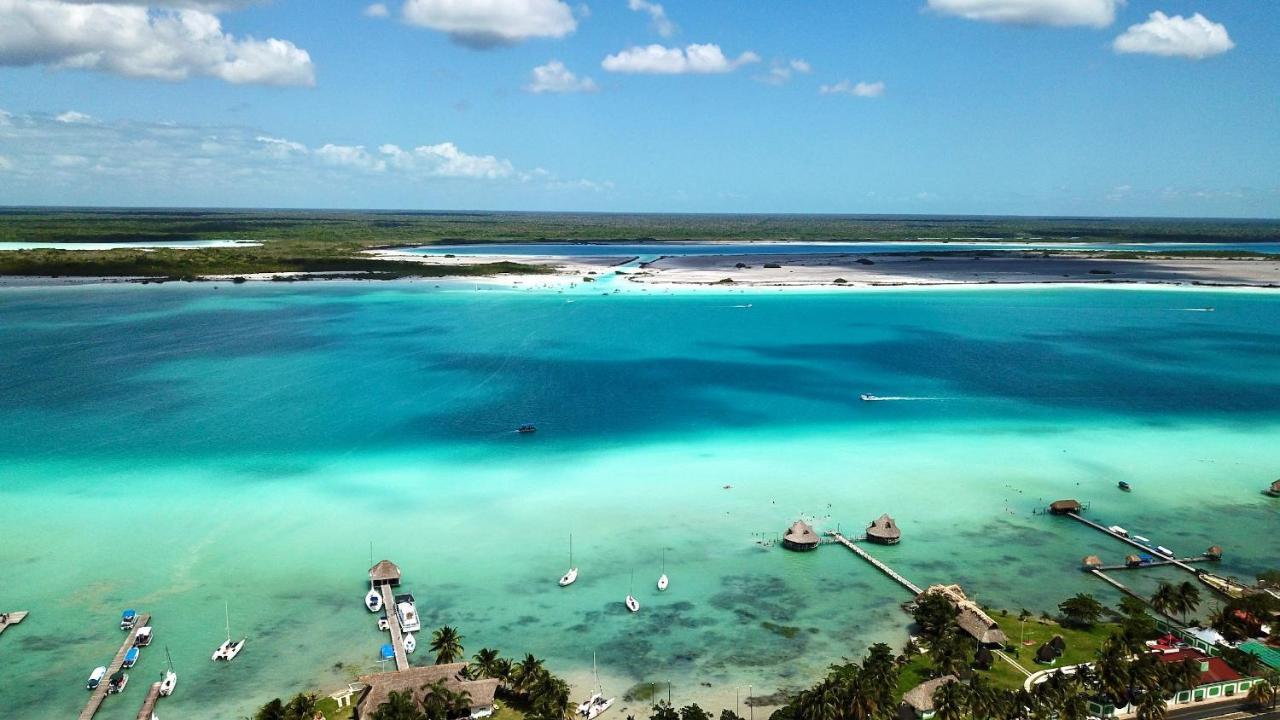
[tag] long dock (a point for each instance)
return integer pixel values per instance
(393, 626)
(915, 589)
(13, 618)
(100, 694)
(1135, 543)
(149, 705)
(1124, 589)
(1154, 563)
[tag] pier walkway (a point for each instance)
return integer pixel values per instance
(393, 626)
(1135, 543)
(100, 694)
(149, 705)
(1153, 563)
(1124, 589)
(915, 589)
(12, 618)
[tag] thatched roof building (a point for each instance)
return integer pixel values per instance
(884, 530)
(971, 618)
(1274, 490)
(801, 537)
(1214, 553)
(380, 686)
(385, 572)
(1062, 507)
(1046, 655)
(1090, 562)
(1132, 560)
(919, 699)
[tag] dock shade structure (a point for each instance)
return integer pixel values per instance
(1062, 507)
(1213, 553)
(1274, 490)
(918, 701)
(1091, 562)
(884, 530)
(801, 537)
(1133, 561)
(385, 572)
(419, 682)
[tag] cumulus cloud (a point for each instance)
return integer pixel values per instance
(859, 89)
(660, 60)
(71, 116)
(377, 10)
(1060, 13)
(134, 41)
(661, 22)
(554, 77)
(487, 23)
(1194, 38)
(780, 72)
(446, 160)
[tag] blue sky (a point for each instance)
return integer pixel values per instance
(1064, 107)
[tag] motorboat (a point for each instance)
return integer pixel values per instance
(868, 398)
(407, 613)
(383, 624)
(143, 637)
(1141, 539)
(1117, 530)
(1124, 486)
(526, 429)
(568, 578)
(410, 643)
(228, 650)
(128, 619)
(95, 678)
(373, 599)
(1164, 551)
(131, 657)
(117, 682)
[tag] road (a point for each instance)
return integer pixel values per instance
(1222, 711)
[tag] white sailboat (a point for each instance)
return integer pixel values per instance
(597, 703)
(170, 680)
(228, 650)
(373, 600)
(571, 576)
(410, 643)
(662, 579)
(632, 604)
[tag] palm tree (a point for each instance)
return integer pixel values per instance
(526, 673)
(398, 706)
(879, 676)
(1165, 599)
(1262, 694)
(446, 642)
(486, 663)
(1184, 676)
(301, 707)
(1152, 706)
(1112, 669)
(549, 696)
(951, 701)
(1188, 597)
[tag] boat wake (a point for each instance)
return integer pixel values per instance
(899, 398)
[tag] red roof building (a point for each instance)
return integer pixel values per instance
(1213, 670)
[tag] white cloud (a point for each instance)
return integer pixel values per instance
(486, 23)
(1195, 37)
(780, 72)
(661, 22)
(352, 156)
(1060, 13)
(71, 116)
(206, 5)
(134, 41)
(660, 60)
(281, 148)
(447, 161)
(5, 163)
(377, 10)
(859, 89)
(554, 77)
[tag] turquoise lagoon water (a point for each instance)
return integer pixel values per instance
(173, 447)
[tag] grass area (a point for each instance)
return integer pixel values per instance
(329, 707)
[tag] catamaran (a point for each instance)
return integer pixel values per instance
(597, 703)
(662, 579)
(572, 575)
(228, 650)
(632, 604)
(170, 680)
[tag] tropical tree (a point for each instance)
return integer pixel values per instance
(1152, 706)
(1165, 600)
(951, 701)
(1262, 694)
(486, 663)
(273, 710)
(1183, 676)
(1083, 610)
(301, 707)
(693, 712)
(879, 677)
(1112, 670)
(549, 696)
(1188, 599)
(398, 706)
(525, 674)
(950, 654)
(933, 614)
(446, 642)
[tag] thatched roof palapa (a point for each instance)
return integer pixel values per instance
(1132, 560)
(412, 680)
(801, 537)
(1275, 488)
(884, 530)
(1062, 507)
(385, 572)
(1046, 655)
(1091, 561)
(920, 697)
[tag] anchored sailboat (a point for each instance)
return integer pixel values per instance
(228, 650)
(662, 579)
(632, 604)
(572, 575)
(170, 680)
(597, 704)
(373, 600)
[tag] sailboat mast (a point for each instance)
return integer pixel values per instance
(570, 549)
(226, 607)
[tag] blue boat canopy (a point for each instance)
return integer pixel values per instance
(128, 615)
(132, 654)
(388, 652)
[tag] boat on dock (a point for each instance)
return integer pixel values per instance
(170, 679)
(128, 619)
(407, 613)
(131, 657)
(1124, 486)
(570, 577)
(410, 643)
(1117, 530)
(1141, 539)
(95, 678)
(372, 599)
(117, 683)
(1164, 551)
(229, 649)
(143, 638)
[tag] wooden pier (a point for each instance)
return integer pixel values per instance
(149, 705)
(1149, 550)
(100, 693)
(13, 618)
(393, 626)
(915, 589)
(1155, 563)
(1122, 588)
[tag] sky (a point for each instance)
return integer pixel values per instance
(1021, 107)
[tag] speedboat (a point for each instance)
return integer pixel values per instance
(1164, 551)
(228, 650)
(117, 682)
(526, 429)
(868, 398)
(383, 624)
(633, 604)
(373, 600)
(131, 657)
(1141, 539)
(143, 638)
(1123, 486)
(569, 577)
(407, 613)
(663, 582)
(95, 678)
(128, 619)
(410, 643)
(169, 682)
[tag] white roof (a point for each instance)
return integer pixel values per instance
(1209, 635)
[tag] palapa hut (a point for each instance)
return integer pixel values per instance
(1058, 644)
(884, 530)
(801, 537)
(970, 617)
(1046, 655)
(1213, 553)
(983, 658)
(1132, 561)
(918, 702)
(1091, 562)
(1062, 507)
(380, 686)
(1274, 490)
(385, 572)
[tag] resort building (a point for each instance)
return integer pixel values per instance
(1062, 507)
(1091, 562)
(971, 618)
(415, 679)
(917, 704)
(385, 572)
(884, 531)
(801, 537)
(1218, 682)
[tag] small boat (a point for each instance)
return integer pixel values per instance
(570, 577)
(1164, 551)
(868, 398)
(1117, 530)
(598, 706)
(383, 624)
(407, 613)
(632, 604)
(410, 643)
(117, 682)
(128, 619)
(662, 579)
(143, 638)
(131, 657)
(373, 600)
(387, 652)
(228, 650)
(1141, 539)
(728, 487)
(170, 680)
(597, 703)
(95, 678)
(526, 429)
(1123, 486)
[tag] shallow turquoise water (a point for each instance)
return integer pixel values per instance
(171, 447)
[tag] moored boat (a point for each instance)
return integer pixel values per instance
(229, 649)
(1164, 551)
(117, 682)
(597, 703)
(410, 643)
(95, 678)
(1123, 486)
(128, 619)
(143, 637)
(663, 582)
(407, 613)
(131, 657)
(527, 429)
(373, 599)
(570, 577)
(170, 679)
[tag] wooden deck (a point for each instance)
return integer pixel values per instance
(915, 589)
(13, 618)
(393, 626)
(1149, 550)
(1154, 563)
(100, 694)
(149, 705)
